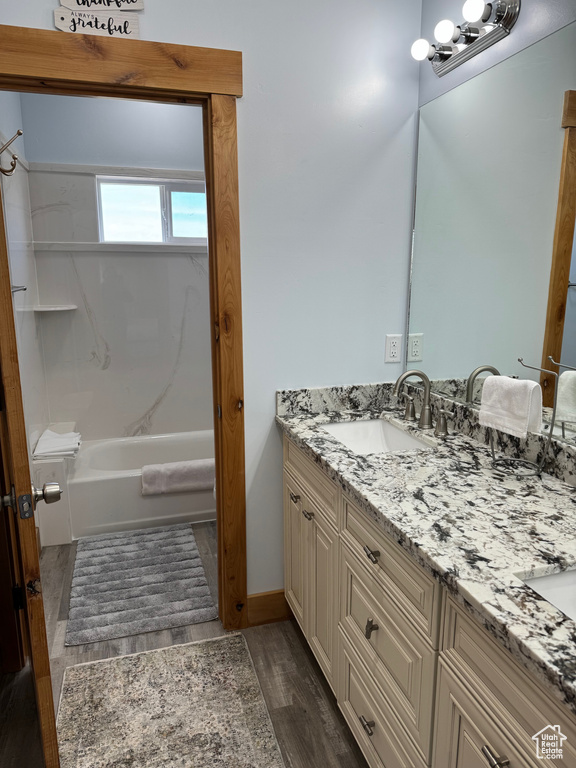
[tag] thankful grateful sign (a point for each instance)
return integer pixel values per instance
(99, 17)
(105, 24)
(119, 5)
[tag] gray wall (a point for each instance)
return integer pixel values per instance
(538, 18)
(116, 132)
(327, 120)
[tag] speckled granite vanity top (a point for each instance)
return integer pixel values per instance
(474, 528)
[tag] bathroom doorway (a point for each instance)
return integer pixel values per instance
(106, 227)
(36, 60)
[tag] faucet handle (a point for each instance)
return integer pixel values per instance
(441, 429)
(410, 412)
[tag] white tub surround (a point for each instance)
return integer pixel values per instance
(53, 520)
(105, 485)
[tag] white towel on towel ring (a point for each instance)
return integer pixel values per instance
(566, 398)
(513, 406)
(178, 477)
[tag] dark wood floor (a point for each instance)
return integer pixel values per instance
(309, 727)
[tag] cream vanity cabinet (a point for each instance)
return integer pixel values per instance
(369, 612)
(311, 554)
(419, 682)
(488, 708)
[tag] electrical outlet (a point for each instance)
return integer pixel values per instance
(393, 348)
(415, 347)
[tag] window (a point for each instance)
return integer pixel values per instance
(152, 211)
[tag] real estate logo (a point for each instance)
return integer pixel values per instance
(549, 743)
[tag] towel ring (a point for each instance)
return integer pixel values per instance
(536, 467)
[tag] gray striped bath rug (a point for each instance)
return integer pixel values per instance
(138, 581)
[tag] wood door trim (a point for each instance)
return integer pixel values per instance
(80, 63)
(224, 248)
(562, 250)
(39, 61)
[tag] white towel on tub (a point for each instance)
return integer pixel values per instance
(178, 477)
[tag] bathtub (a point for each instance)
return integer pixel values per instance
(105, 482)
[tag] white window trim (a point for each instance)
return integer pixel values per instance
(166, 186)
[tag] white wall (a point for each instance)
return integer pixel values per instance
(115, 132)
(326, 149)
(16, 198)
(537, 19)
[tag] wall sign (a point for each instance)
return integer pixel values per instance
(97, 23)
(103, 5)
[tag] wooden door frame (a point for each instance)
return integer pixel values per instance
(562, 251)
(45, 61)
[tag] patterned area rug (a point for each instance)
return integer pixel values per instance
(139, 581)
(189, 706)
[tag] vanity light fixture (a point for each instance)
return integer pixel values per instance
(484, 24)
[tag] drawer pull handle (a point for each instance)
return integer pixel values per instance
(368, 725)
(308, 515)
(372, 554)
(370, 627)
(493, 761)
(294, 498)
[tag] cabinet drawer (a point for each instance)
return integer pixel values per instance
(400, 577)
(463, 728)
(387, 747)
(319, 487)
(502, 684)
(401, 660)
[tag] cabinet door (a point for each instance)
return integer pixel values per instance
(463, 728)
(323, 592)
(296, 536)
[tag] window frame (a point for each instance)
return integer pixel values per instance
(166, 187)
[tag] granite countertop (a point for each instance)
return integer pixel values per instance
(474, 528)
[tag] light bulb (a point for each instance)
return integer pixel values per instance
(476, 10)
(421, 50)
(445, 31)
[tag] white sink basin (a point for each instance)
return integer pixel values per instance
(559, 589)
(375, 436)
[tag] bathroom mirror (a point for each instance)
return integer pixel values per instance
(489, 162)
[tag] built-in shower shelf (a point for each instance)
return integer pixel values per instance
(54, 307)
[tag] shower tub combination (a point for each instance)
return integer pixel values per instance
(104, 486)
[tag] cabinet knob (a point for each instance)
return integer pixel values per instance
(294, 498)
(308, 515)
(493, 761)
(370, 627)
(371, 554)
(368, 725)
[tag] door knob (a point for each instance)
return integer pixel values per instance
(50, 492)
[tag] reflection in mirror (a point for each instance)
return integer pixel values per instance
(566, 407)
(489, 162)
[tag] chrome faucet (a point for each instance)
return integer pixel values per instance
(472, 378)
(425, 421)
